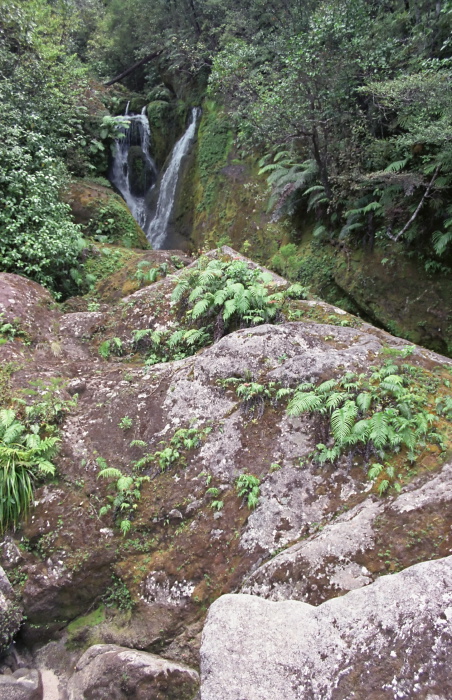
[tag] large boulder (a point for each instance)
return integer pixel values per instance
(23, 684)
(110, 672)
(391, 639)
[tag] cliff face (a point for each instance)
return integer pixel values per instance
(317, 531)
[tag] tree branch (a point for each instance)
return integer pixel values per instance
(418, 208)
(130, 70)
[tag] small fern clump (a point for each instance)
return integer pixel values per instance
(166, 346)
(289, 180)
(248, 487)
(124, 502)
(254, 395)
(231, 295)
(183, 440)
(368, 415)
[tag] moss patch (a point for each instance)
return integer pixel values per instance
(91, 620)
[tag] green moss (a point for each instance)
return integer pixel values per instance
(167, 122)
(96, 617)
(215, 142)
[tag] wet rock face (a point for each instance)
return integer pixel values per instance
(391, 639)
(109, 672)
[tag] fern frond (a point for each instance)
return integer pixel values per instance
(335, 399)
(175, 338)
(342, 421)
(179, 291)
(375, 471)
(110, 473)
(327, 386)
(124, 483)
(397, 166)
(229, 309)
(201, 307)
(378, 429)
(303, 402)
(363, 401)
(7, 417)
(125, 526)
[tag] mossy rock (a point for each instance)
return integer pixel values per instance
(167, 122)
(140, 174)
(160, 93)
(104, 214)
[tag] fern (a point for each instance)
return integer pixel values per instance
(378, 429)
(125, 526)
(304, 402)
(342, 421)
(364, 401)
(383, 487)
(375, 471)
(110, 473)
(441, 241)
(327, 386)
(397, 166)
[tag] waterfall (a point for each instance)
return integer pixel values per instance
(133, 171)
(157, 229)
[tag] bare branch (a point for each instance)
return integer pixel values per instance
(418, 208)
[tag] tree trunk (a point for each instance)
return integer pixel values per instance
(136, 65)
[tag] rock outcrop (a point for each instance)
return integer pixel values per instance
(391, 639)
(23, 684)
(317, 531)
(110, 672)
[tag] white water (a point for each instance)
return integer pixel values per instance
(157, 230)
(119, 175)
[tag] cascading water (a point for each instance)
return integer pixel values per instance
(133, 171)
(156, 231)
